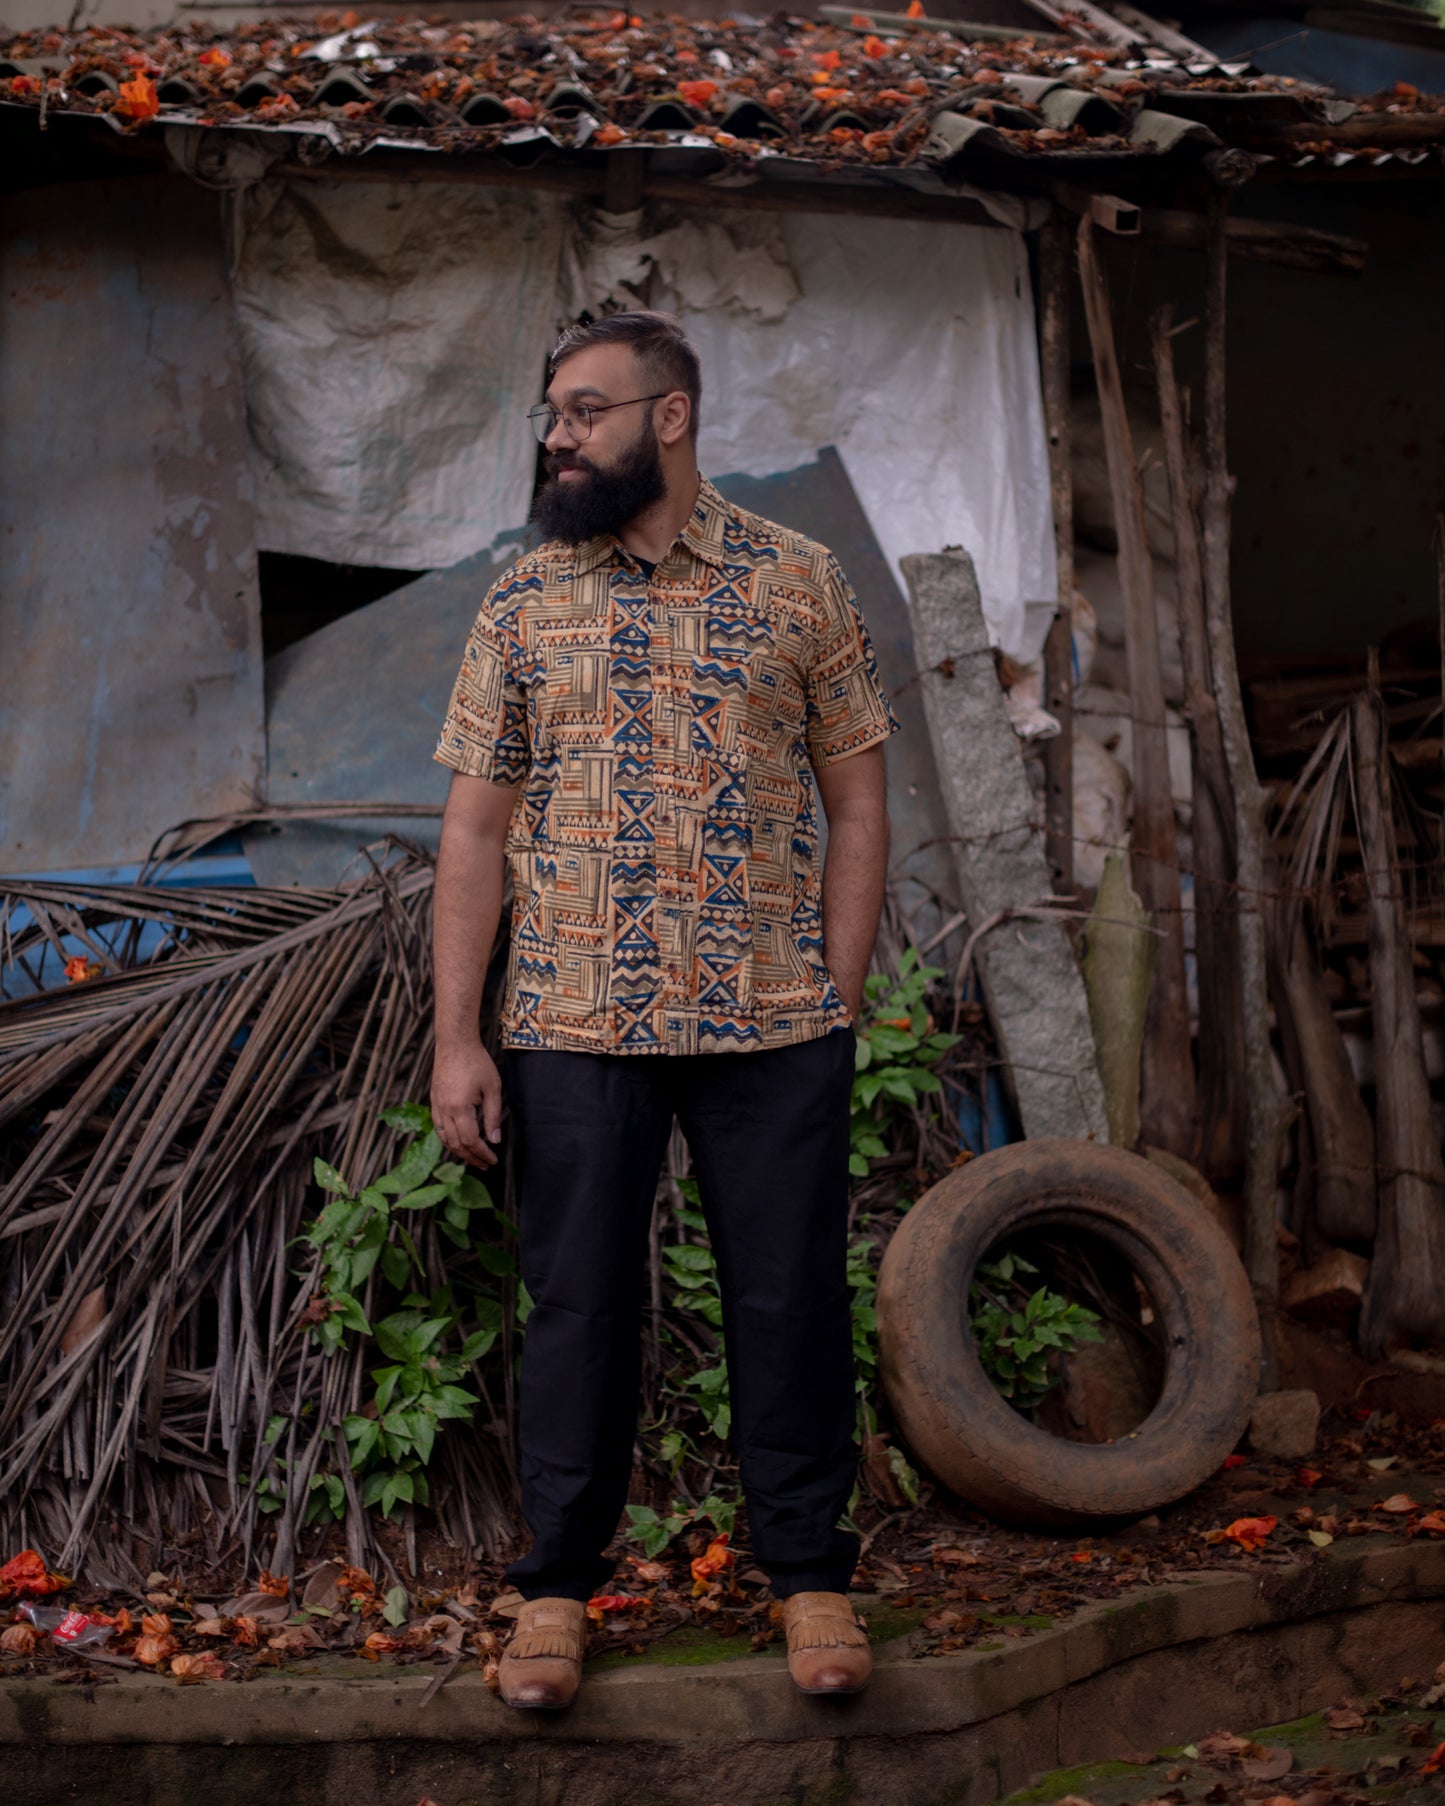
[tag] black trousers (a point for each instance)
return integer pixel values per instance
(768, 1134)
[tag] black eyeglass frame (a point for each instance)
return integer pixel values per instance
(545, 411)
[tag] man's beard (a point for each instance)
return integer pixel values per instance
(604, 500)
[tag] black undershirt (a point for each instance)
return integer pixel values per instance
(646, 568)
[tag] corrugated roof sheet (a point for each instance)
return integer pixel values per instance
(869, 90)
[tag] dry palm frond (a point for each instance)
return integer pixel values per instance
(157, 1127)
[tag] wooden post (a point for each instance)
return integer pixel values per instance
(1265, 1115)
(1216, 951)
(1405, 1295)
(1168, 1110)
(1055, 261)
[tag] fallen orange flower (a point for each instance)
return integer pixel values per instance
(874, 46)
(1250, 1533)
(26, 1573)
(19, 1639)
(1082, 1555)
(204, 1667)
(1434, 1763)
(275, 1584)
(153, 1650)
(155, 1624)
(380, 1644)
(1433, 1522)
(215, 58)
(610, 1602)
(356, 1583)
(1398, 1503)
(827, 59)
(138, 100)
(716, 1559)
(1233, 1461)
(915, 9)
(697, 94)
(1307, 1476)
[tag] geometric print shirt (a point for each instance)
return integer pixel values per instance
(664, 847)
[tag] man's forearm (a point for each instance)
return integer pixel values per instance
(854, 874)
(468, 906)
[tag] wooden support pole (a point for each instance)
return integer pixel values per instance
(1265, 1114)
(1055, 267)
(1169, 1115)
(1216, 947)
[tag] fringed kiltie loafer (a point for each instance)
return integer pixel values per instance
(541, 1666)
(827, 1645)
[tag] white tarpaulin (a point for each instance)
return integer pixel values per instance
(910, 347)
(393, 336)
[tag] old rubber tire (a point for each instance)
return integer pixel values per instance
(949, 1413)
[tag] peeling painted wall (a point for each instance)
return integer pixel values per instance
(130, 639)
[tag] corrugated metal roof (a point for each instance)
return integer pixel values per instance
(860, 91)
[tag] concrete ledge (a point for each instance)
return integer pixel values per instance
(1162, 1665)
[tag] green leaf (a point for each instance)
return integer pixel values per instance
(396, 1604)
(691, 1259)
(863, 1054)
(423, 1197)
(395, 1266)
(857, 1166)
(414, 1167)
(328, 1178)
(350, 1314)
(415, 1118)
(641, 1514)
(363, 1434)
(275, 1429)
(496, 1260)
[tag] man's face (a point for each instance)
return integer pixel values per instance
(601, 484)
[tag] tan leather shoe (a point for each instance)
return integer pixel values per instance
(541, 1666)
(827, 1645)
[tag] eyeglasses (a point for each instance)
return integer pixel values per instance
(578, 418)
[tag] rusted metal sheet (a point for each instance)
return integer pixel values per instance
(353, 711)
(130, 681)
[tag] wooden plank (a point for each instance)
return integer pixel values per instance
(1055, 281)
(1169, 1110)
(1266, 1117)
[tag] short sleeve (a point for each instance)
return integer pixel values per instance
(847, 708)
(485, 732)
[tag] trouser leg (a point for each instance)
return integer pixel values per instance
(591, 1130)
(769, 1139)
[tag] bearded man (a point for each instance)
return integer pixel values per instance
(644, 707)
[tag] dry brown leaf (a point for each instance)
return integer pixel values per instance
(87, 1319)
(1398, 1502)
(19, 1639)
(444, 1632)
(323, 1589)
(506, 1605)
(1223, 1745)
(264, 1608)
(295, 1638)
(1346, 1716)
(203, 1667)
(492, 1676)
(1269, 1767)
(211, 1627)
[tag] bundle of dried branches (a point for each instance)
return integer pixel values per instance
(157, 1128)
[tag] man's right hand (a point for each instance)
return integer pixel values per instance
(466, 1103)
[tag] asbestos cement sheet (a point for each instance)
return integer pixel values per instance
(352, 716)
(130, 682)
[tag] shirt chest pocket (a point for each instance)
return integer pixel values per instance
(743, 693)
(572, 691)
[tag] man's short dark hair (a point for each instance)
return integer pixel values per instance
(664, 356)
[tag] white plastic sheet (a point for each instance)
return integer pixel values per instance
(393, 336)
(910, 347)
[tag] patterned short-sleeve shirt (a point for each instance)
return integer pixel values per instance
(664, 849)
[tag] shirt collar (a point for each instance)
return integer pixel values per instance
(702, 533)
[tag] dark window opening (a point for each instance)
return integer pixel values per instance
(300, 595)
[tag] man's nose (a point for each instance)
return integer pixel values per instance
(567, 437)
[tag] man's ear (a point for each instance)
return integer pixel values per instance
(674, 417)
